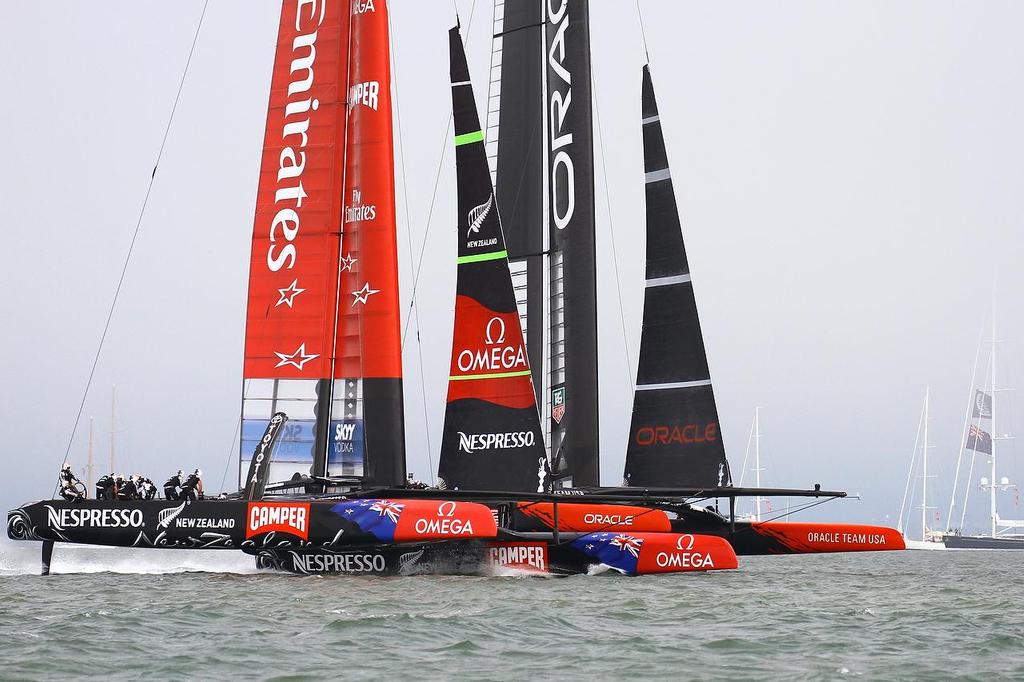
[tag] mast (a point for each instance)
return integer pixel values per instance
(88, 464)
(113, 390)
(924, 471)
(992, 456)
(757, 460)
(492, 436)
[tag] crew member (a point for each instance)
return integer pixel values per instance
(192, 489)
(128, 490)
(105, 487)
(171, 488)
(70, 492)
(147, 489)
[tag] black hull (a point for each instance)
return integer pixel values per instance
(981, 542)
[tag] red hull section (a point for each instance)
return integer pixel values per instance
(433, 520)
(815, 538)
(683, 553)
(588, 518)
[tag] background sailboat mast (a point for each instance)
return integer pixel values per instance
(113, 398)
(992, 457)
(757, 460)
(924, 471)
(88, 464)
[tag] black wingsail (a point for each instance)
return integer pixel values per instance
(492, 437)
(545, 181)
(674, 439)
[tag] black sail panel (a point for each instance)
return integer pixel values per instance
(573, 271)
(492, 437)
(674, 437)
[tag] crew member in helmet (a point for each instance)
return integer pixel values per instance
(70, 486)
(128, 490)
(147, 489)
(105, 487)
(173, 485)
(192, 489)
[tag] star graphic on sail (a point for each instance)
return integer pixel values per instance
(289, 293)
(296, 359)
(363, 294)
(347, 261)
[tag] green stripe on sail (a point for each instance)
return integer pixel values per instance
(469, 138)
(477, 257)
(498, 375)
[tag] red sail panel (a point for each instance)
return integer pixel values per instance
(290, 319)
(368, 303)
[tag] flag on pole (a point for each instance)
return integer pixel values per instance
(982, 405)
(979, 440)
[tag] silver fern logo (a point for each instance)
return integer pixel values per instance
(168, 515)
(478, 214)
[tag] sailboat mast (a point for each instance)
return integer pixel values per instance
(757, 459)
(113, 391)
(88, 464)
(924, 471)
(992, 456)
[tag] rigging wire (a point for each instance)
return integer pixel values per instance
(135, 234)
(433, 196)
(643, 34)
(414, 309)
(611, 231)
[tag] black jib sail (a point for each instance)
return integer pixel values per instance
(674, 438)
(540, 107)
(492, 437)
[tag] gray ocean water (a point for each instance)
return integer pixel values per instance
(123, 614)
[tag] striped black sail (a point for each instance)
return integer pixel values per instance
(492, 436)
(674, 438)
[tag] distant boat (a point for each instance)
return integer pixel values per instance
(981, 415)
(929, 539)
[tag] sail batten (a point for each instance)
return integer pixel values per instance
(675, 438)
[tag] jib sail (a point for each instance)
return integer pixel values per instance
(540, 109)
(313, 301)
(492, 437)
(674, 438)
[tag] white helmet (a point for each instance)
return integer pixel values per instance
(199, 473)
(180, 472)
(67, 466)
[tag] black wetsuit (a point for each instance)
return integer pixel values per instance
(105, 488)
(188, 489)
(147, 489)
(171, 488)
(128, 491)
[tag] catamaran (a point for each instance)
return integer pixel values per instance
(322, 477)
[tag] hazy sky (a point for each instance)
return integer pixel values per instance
(849, 176)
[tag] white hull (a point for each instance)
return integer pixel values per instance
(924, 544)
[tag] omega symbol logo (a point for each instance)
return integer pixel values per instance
(689, 543)
(446, 509)
(495, 323)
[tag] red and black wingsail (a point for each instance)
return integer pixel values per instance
(674, 438)
(492, 437)
(323, 281)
